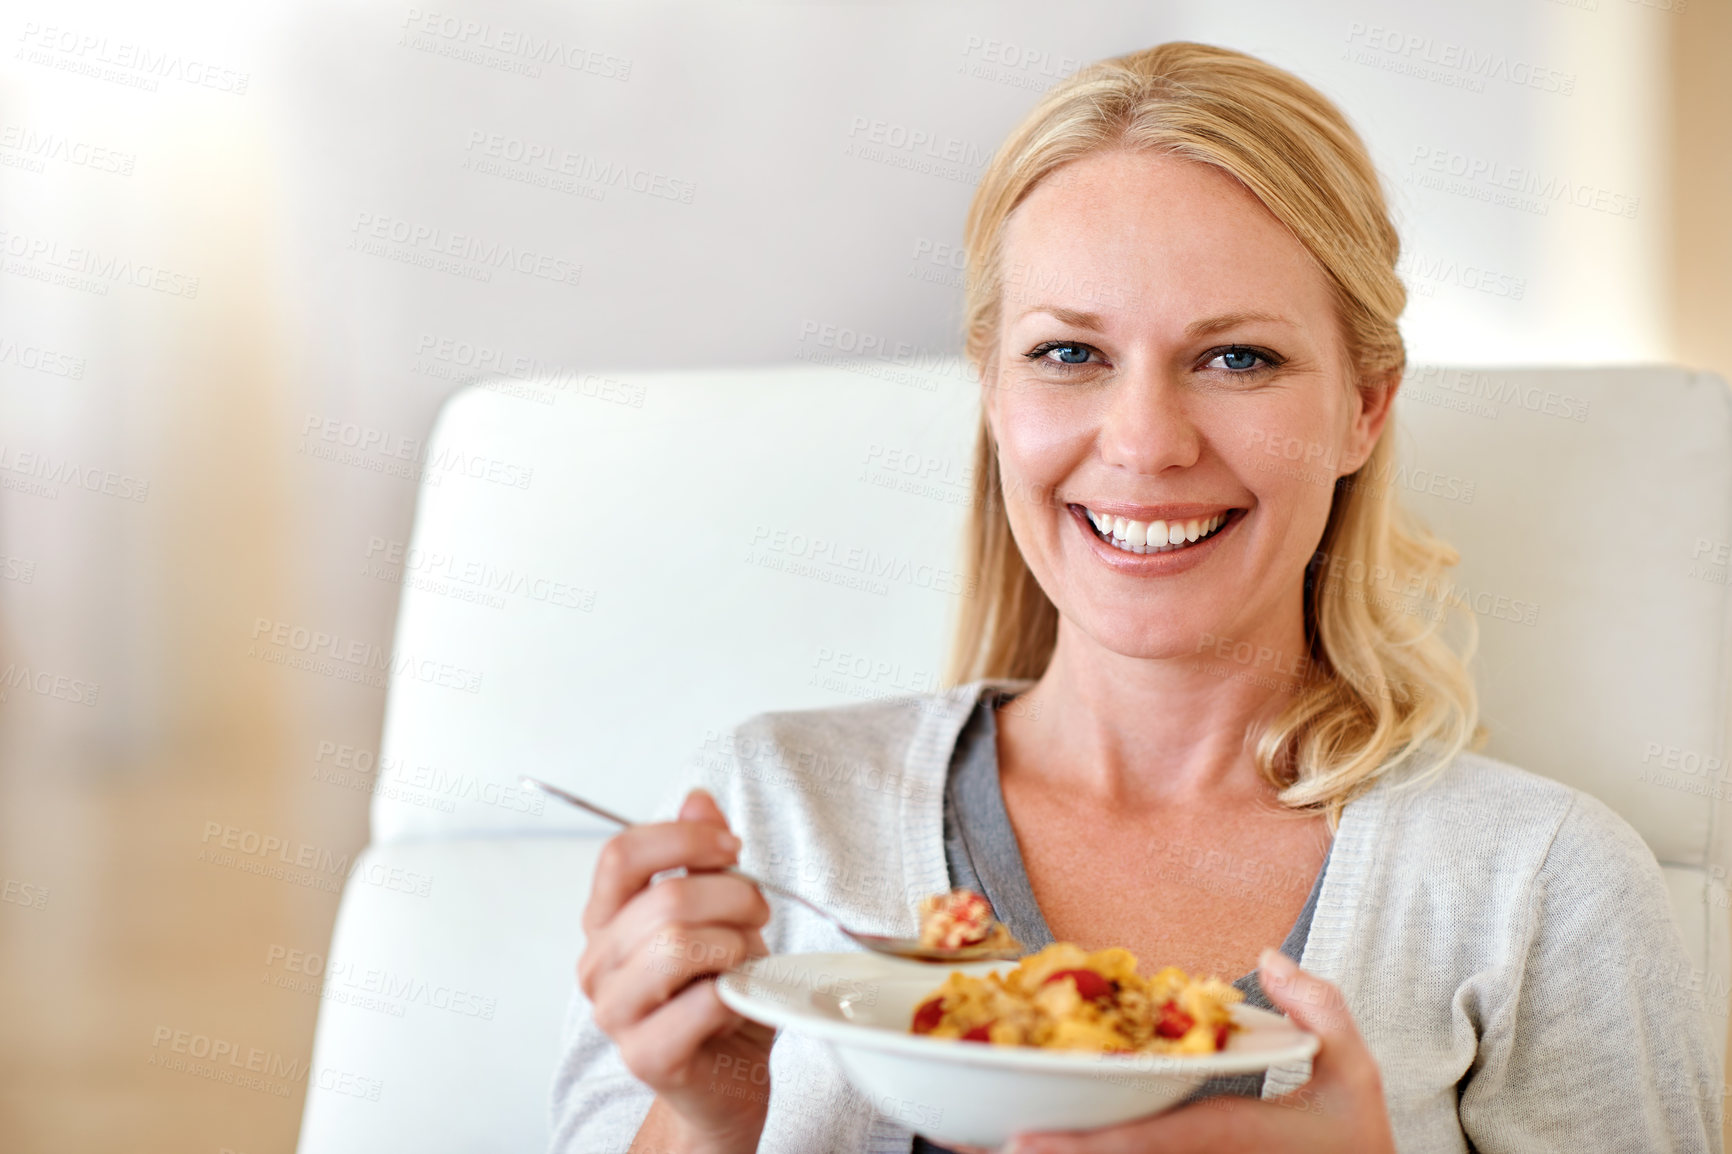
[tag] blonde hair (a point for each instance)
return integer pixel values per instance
(1387, 689)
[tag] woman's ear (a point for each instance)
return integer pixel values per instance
(1375, 397)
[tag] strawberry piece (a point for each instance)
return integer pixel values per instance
(1221, 1033)
(979, 1033)
(927, 1017)
(1089, 984)
(1174, 1023)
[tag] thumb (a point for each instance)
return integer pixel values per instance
(1313, 1003)
(700, 806)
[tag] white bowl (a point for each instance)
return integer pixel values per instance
(970, 1093)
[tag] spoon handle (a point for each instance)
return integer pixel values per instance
(572, 799)
(608, 815)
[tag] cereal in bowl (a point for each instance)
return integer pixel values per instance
(1065, 998)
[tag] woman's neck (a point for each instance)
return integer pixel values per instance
(1142, 733)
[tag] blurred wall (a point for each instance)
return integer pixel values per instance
(246, 251)
(304, 237)
(1701, 187)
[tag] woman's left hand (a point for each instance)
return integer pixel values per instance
(1340, 1109)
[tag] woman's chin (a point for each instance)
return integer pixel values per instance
(1159, 642)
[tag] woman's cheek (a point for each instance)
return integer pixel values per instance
(1285, 452)
(1042, 440)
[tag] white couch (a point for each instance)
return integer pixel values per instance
(617, 571)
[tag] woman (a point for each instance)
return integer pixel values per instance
(1210, 708)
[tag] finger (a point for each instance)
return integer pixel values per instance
(630, 859)
(1344, 1072)
(1313, 1003)
(658, 971)
(695, 899)
(701, 806)
(660, 1050)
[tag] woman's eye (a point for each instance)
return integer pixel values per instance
(1240, 360)
(1067, 353)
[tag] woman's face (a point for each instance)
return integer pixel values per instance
(1170, 357)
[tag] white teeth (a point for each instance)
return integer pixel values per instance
(1153, 536)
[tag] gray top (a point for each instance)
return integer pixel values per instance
(1504, 943)
(981, 851)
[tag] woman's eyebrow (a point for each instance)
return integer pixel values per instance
(1081, 320)
(1233, 320)
(1093, 322)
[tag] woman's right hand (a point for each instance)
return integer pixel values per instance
(649, 951)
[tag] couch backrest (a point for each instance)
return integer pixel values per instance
(652, 561)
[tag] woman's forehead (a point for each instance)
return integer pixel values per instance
(1123, 232)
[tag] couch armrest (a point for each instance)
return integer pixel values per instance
(445, 995)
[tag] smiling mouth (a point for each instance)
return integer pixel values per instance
(1144, 537)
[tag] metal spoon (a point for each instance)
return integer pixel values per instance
(909, 948)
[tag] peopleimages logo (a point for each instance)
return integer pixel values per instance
(63, 471)
(135, 65)
(1527, 189)
(395, 238)
(1422, 272)
(348, 442)
(581, 167)
(1476, 385)
(495, 45)
(405, 559)
(35, 148)
(1477, 64)
(94, 269)
(351, 659)
(249, 1058)
(302, 863)
(41, 360)
(46, 683)
(868, 564)
(353, 767)
(922, 141)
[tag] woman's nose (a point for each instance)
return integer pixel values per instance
(1147, 426)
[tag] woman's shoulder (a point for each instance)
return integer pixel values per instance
(821, 749)
(879, 724)
(1532, 868)
(911, 727)
(1479, 803)
(857, 757)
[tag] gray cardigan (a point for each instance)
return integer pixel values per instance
(1504, 942)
